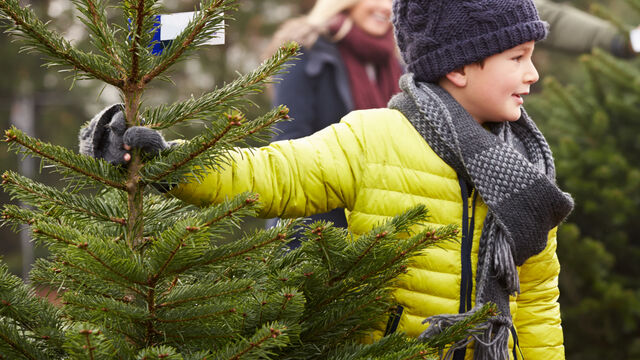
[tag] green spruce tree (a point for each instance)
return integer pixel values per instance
(593, 131)
(144, 276)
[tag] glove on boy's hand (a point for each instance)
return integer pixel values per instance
(106, 136)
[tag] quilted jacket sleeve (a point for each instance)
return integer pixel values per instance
(537, 318)
(293, 178)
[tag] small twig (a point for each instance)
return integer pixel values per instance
(274, 333)
(87, 335)
(193, 155)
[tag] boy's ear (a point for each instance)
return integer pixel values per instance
(457, 77)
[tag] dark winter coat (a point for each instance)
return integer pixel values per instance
(316, 90)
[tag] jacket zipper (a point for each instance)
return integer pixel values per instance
(468, 217)
(466, 283)
(516, 344)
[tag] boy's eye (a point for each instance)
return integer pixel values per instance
(517, 58)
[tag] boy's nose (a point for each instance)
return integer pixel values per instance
(531, 76)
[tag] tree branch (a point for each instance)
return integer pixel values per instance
(153, 279)
(15, 346)
(114, 329)
(242, 86)
(199, 317)
(360, 257)
(96, 18)
(278, 237)
(28, 24)
(67, 205)
(176, 303)
(252, 345)
(192, 155)
(11, 136)
(85, 248)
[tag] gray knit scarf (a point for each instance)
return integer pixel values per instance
(512, 169)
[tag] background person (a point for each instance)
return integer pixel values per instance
(576, 31)
(349, 62)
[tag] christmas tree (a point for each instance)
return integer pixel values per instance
(593, 130)
(141, 275)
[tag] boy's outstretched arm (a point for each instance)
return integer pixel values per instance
(293, 178)
(537, 318)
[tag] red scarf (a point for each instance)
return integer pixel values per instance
(357, 49)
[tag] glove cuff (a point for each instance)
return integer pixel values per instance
(94, 134)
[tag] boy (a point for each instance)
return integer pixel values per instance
(457, 140)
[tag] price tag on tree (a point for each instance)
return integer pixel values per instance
(171, 25)
(634, 36)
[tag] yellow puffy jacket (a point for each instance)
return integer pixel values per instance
(376, 165)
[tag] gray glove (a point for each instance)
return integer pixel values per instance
(106, 134)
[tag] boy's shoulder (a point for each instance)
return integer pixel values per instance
(382, 124)
(374, 116)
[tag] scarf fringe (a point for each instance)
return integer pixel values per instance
(503, 262)
(505, 266)
(493, 343)
(491, 337)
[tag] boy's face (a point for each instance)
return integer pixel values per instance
(493, 90)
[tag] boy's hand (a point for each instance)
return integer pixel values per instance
(106, 137)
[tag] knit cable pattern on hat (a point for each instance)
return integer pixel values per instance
(436, 37)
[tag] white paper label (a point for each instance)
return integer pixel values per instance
(171, 25)
(634, 37)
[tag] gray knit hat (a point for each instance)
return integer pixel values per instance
(439, 36)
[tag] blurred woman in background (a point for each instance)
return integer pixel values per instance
(349, 61)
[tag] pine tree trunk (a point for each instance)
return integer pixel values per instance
(135, 189)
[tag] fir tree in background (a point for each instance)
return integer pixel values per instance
(144, 276)
(594, 131)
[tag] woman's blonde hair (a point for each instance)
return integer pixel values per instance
(305, 29)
